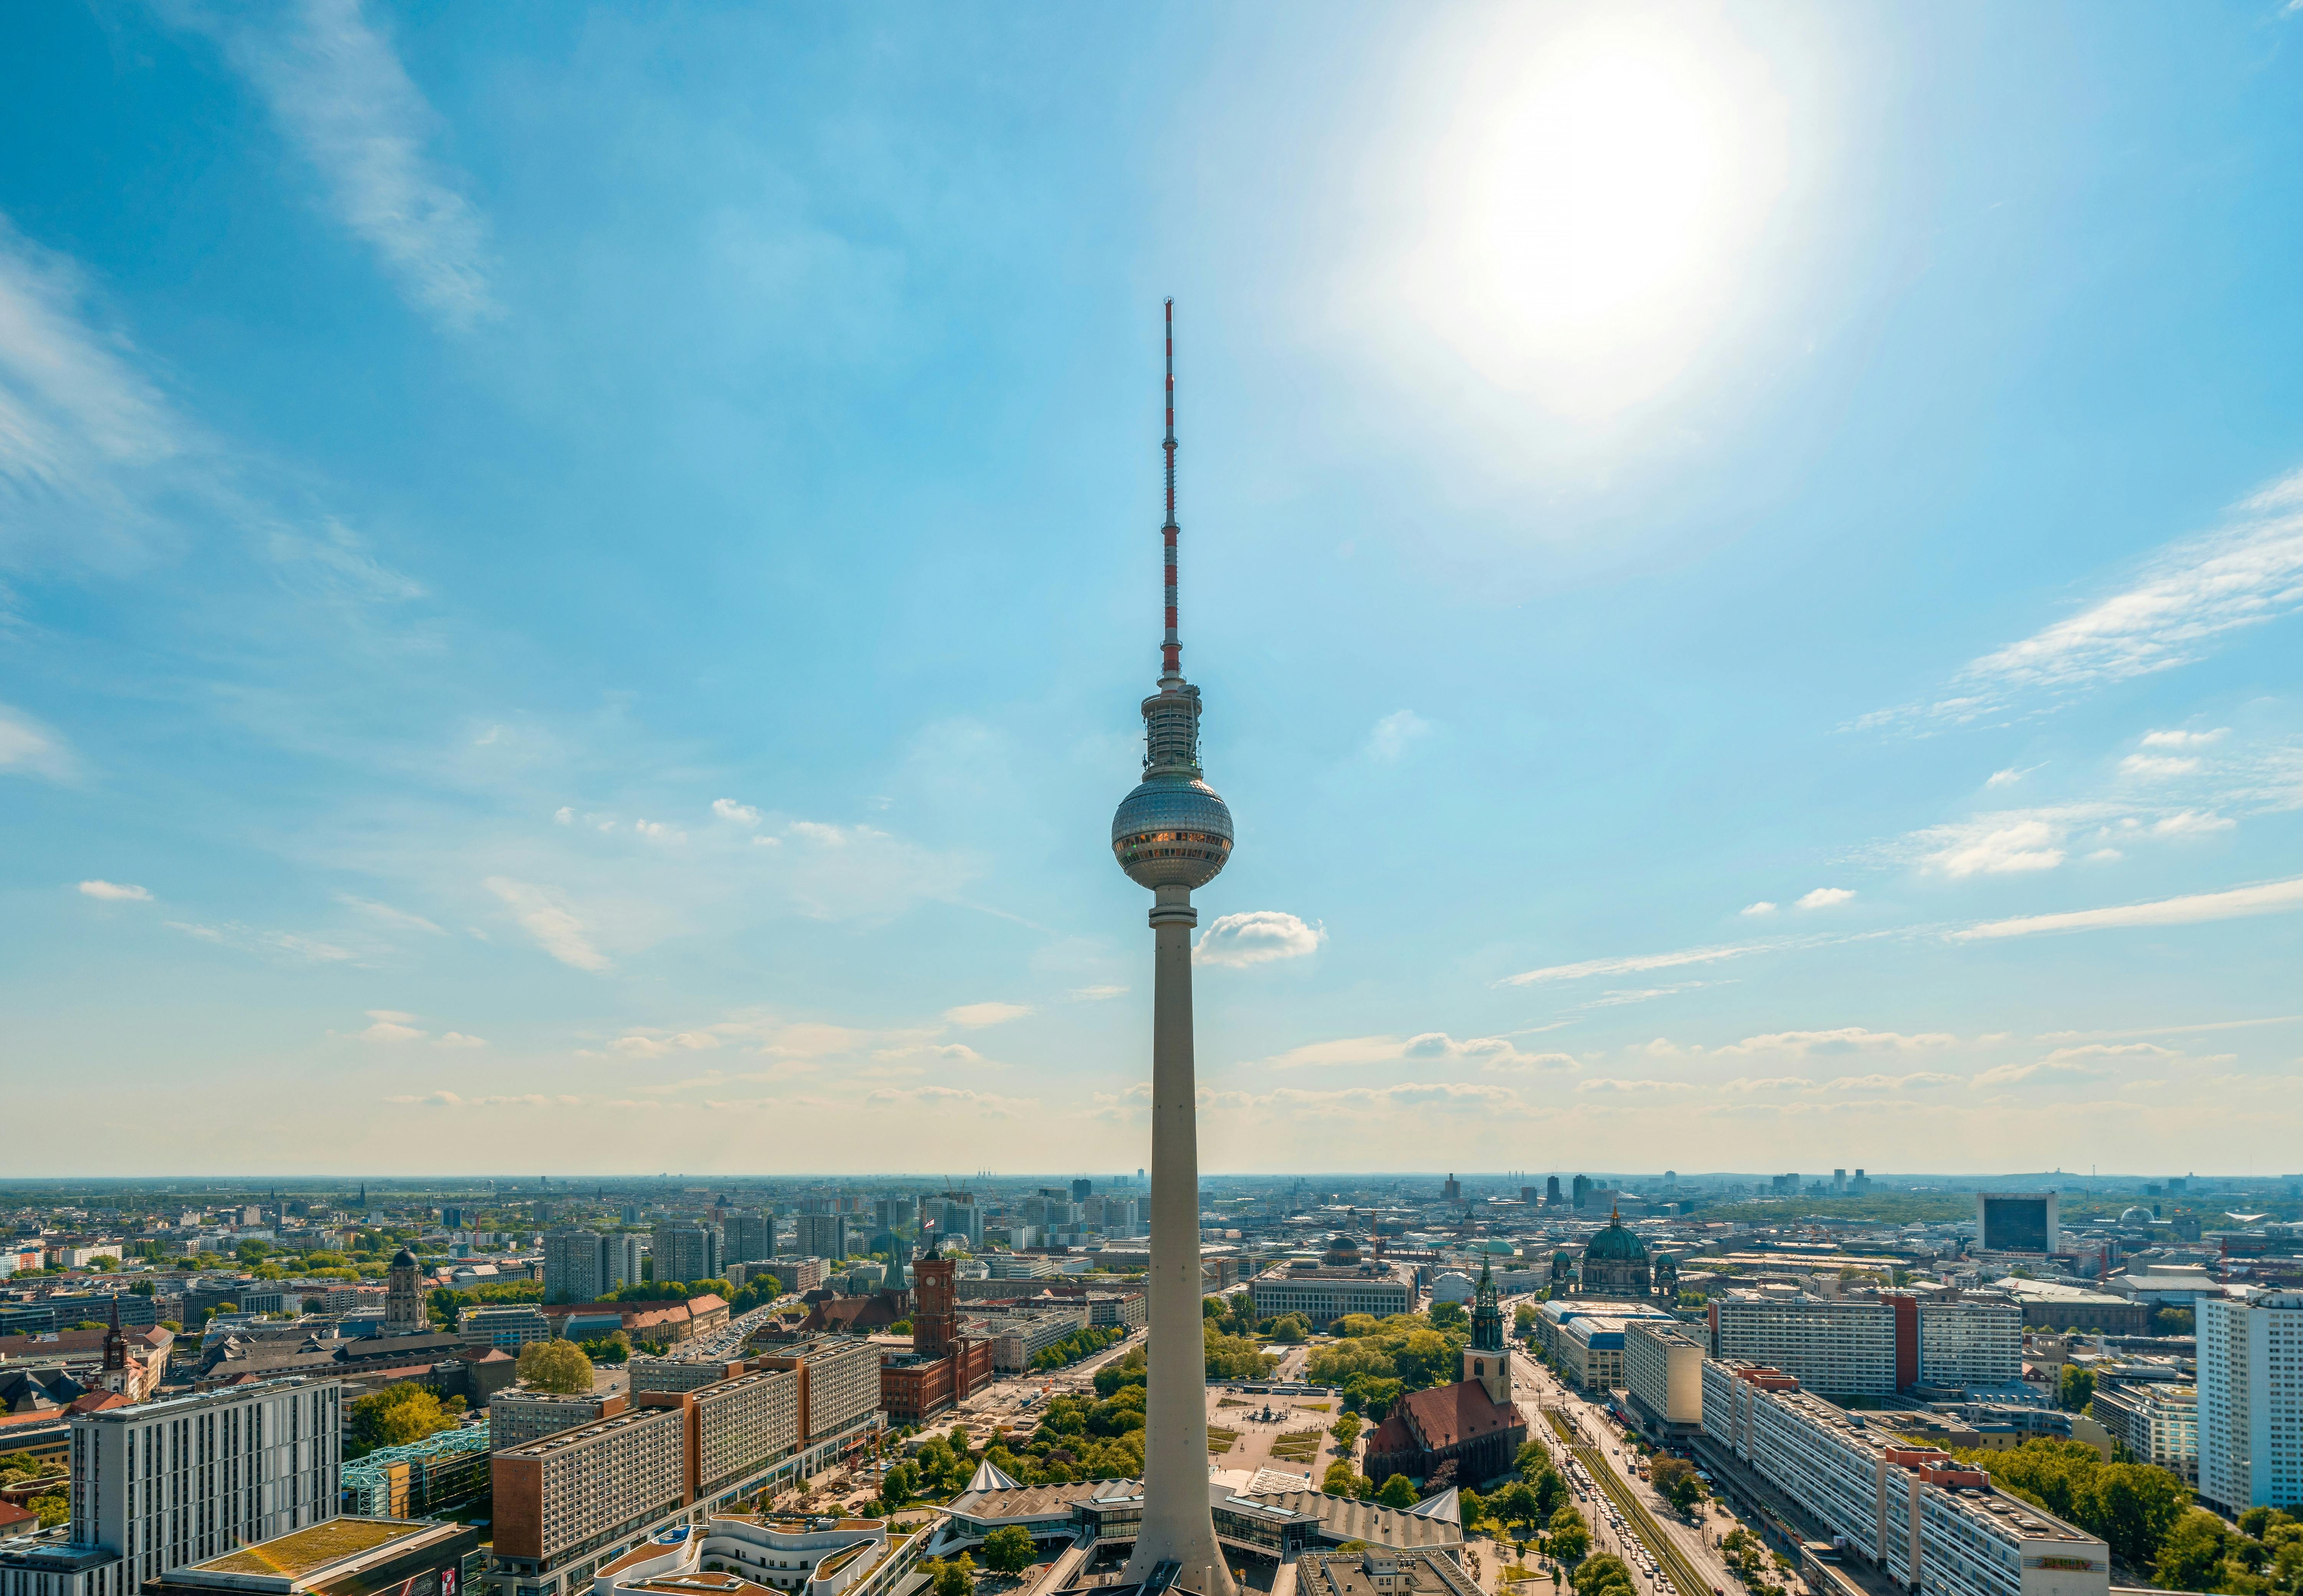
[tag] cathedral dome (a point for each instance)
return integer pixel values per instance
(1616, 1243)
(1341, 1250)
(403, 1259)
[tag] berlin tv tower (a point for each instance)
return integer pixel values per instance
(1171, 834)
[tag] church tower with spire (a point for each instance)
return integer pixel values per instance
(1487, 1360)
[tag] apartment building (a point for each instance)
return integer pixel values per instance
(163, 1484)
(689, 1250)
(507, 1326)
(582, 1266)
(2250, 1353)
(1663, 1370)
(517, 1417)
(699, 1435)
(1016, 1339)
(1845, 1346)
(750, 1236)
(838, 1385)
(1975, 1343)
(1932, 1524)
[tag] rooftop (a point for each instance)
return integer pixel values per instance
(299, 1552)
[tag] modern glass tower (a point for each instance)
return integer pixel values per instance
(1171, 834)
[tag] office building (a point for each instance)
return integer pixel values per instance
(956, 1215)
(1080, 1190)
(162, 1484)
(2055, 1305)
(1588, 1346)
(1914, 1512)
(517, 1417)
(2157, 1423)
(1581, 1190)
(2250, 1354)
(1323, 1292)
(750, 1237)
(826, 1236)
(689, 1250)
(894, 1215)
(1551, 1190)
(1662, 1372)
(2008, 1222)
(507, 1326)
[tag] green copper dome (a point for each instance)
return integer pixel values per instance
(1616, 1243)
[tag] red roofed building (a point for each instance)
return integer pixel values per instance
(1461, 1434)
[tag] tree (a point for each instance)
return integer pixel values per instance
(1550, 1492)
(1290, 1329)
(1008, 1550)
(400, 1414)
(52, 1510)
(1345, 1429)
(1449, 1315)
(1570, 1539)
(556, 1367)
(2191, 1554)
(1674, 1479)
(1398, 1491)
(2078, 1388)
(614, 1347)
(955, 1577)
(1340, 1479)
(1212, 1307)
(1515, 1504)
(1606, 1573)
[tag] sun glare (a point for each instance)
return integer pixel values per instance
(1589, 206)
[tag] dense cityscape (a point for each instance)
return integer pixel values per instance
(859, 1383)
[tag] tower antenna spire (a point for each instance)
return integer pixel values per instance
(1171, 648)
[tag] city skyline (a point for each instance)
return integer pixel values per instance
(522, 626)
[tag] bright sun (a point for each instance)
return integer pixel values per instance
(1591, 203)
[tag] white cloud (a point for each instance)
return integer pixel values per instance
(341, 95)
(1098, 994)
(1768, 1083)
(2155, 766)
(549, 919)
(975, 1015)
(1395, 734)
(2172, 613)
(1258, 937)
(728, 808)
(2182, 739)
(2105, 856)
(1890, 1083)
(1825, 898)
(390, 1025)
(1996, 846)
(860, 872)
(115, 891)
(2007, 778)
(397, 918)
(2270, 897)
(641, 1043)
(1845, 1039)
(1640, 963)
(456, 1038)
(2191, 822)
(26, 748)
(1638, 1087)
(1495, 1054)
(564, 816)
(657, 831)
(1761, 907)
(2091, 1062)
(248, 938)
(987, 1105)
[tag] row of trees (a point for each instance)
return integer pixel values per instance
(1083, 1342)
(2132, 1506)
(2263, 1559)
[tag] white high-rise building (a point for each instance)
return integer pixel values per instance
(163, 1484)
(2250, 1352)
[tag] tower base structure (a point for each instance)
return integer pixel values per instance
(1179, 1523)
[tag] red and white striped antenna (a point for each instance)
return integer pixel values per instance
(1171, 650)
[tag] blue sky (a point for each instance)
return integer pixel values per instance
(574, 584)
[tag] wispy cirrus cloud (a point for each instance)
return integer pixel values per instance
(975, 1016)
(1394, 734)
(2176, 609)
(2269, 897)
(27, 747)
(338, 91)
(546, 916)
(1642, 963)
(114, 892)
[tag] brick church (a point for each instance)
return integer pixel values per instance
(1466, 1433)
